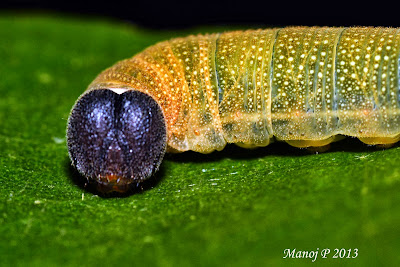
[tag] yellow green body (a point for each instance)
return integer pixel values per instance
(301, 85)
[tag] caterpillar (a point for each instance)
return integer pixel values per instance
(307, 86)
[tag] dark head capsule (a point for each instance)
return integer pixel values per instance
(116, 139)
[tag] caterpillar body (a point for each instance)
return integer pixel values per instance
(305, 86)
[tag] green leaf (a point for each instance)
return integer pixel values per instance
(235, 207)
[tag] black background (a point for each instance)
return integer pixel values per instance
(179, 14)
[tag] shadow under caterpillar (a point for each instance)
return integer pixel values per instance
(307, 86)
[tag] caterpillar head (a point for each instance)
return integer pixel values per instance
(116, 139)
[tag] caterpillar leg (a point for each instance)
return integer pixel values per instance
(380, 142)
(245, 145)
(314, 143)
(313, 146)
(252, 146)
